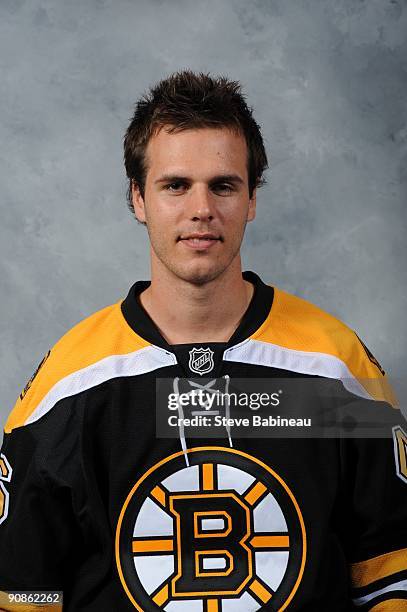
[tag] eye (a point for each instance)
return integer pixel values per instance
(225, 187)
(175, 186)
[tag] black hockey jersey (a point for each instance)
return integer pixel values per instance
(109, 494)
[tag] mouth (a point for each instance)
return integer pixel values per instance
(200, 241)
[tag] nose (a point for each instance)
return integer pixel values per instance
(201, 205)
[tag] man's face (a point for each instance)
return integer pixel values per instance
(196, 201)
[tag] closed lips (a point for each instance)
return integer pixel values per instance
(197, 237)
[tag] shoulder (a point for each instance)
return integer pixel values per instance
(308, 339)
(83, 355)
(299, 324)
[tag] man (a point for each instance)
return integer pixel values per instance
(97, 505)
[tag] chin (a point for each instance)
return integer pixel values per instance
(199, 275)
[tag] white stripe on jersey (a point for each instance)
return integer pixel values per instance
(396, 586)
(144, 360)
(271, 355)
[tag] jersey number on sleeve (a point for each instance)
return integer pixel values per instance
(400, 452)
(5, 476)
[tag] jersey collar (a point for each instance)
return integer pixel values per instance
(256, 313)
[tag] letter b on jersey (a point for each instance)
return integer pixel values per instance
(211, 532)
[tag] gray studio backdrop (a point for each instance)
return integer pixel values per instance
(328, 84)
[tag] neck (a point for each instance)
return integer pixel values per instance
(188, 313)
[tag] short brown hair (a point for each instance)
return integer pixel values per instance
(188, 100)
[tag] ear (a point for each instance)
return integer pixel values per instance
(251, 213)
(138, 203)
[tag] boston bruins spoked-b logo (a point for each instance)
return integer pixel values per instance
(224, 534)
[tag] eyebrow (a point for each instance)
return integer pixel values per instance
(220, 178)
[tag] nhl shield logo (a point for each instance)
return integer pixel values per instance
(201, 360)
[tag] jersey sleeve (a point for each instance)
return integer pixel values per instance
(39, 464)
(374, 519)
(376, 523)
(37, 523)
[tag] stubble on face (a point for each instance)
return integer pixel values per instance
(202, 267)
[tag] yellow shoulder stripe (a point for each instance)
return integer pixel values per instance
(100, 335)
(391, 605)
(297, 324)
(365, 572)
